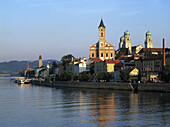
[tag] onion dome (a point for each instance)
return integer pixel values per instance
(126, 32)
(122, 39)
(148, 33)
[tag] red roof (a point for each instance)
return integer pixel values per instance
(40, 57)
(117, 61)
(109, 61)
(95, 59)
(78, 59)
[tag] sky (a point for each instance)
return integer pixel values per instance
(53, 28)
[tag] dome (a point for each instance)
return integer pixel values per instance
(127, 32)
(122, 38)
(148, 33)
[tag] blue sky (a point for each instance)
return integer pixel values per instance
(54, 28)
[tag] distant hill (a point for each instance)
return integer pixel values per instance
(13, 67)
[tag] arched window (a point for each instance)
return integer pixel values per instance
(101, 34)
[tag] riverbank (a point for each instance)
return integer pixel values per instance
(156, 87)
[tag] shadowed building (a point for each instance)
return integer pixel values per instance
(102, 49)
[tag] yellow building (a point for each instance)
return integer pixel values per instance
(102, 49)
(104, 66)
(136, 49)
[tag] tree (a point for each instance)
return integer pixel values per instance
(75, 77)
(85, 76)
(67, 58)
(164, 75)
(104, 76)
(66, 76)
(124, 75)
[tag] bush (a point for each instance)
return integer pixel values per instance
(66, 76)
(104, 76)
(85, 76)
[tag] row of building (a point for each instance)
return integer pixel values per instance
(137, 60)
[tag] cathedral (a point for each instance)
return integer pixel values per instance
(125, 42)
(102, 49)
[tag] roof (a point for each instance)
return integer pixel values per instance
(129, 69)
(77, 60)
(148, 33)
(117, 61)
(40, 57)
(153, 57)
(109, 61)
(126, 32)
(95, 59)
(101, 23)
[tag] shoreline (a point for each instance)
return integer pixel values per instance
(153, 87)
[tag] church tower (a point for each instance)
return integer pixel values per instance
(127, 41)
(40, 61)
(149, 41)
(102, 49)
(101, 31)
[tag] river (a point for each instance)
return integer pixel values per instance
(36, 106)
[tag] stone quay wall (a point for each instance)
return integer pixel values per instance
(157, 87)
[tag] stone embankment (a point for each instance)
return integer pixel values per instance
(158, 87)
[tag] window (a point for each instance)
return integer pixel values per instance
(101, 54)
(111, 55)
(102, 45)
(97, 54)
(106, 54)
(101, 34)
(93, 55)
(101, 29)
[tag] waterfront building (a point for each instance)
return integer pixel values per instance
(104, 66)
(102, 49)
(148, 41)
(133, 74)
(125, 42)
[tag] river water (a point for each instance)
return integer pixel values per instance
(35, 106)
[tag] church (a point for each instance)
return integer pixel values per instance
(102, 49)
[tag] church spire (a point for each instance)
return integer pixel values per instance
(101, 23)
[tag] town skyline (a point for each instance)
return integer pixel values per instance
(53, 28)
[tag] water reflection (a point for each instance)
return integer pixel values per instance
(29, 105)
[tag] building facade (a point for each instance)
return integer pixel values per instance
(102, 49)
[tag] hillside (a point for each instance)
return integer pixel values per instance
(13, 67)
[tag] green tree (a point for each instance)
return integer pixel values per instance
(164, 75)
(66, 76)
(85, 76)
(75, 77)
(67, 58)
(124, 75)
(104, 76)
